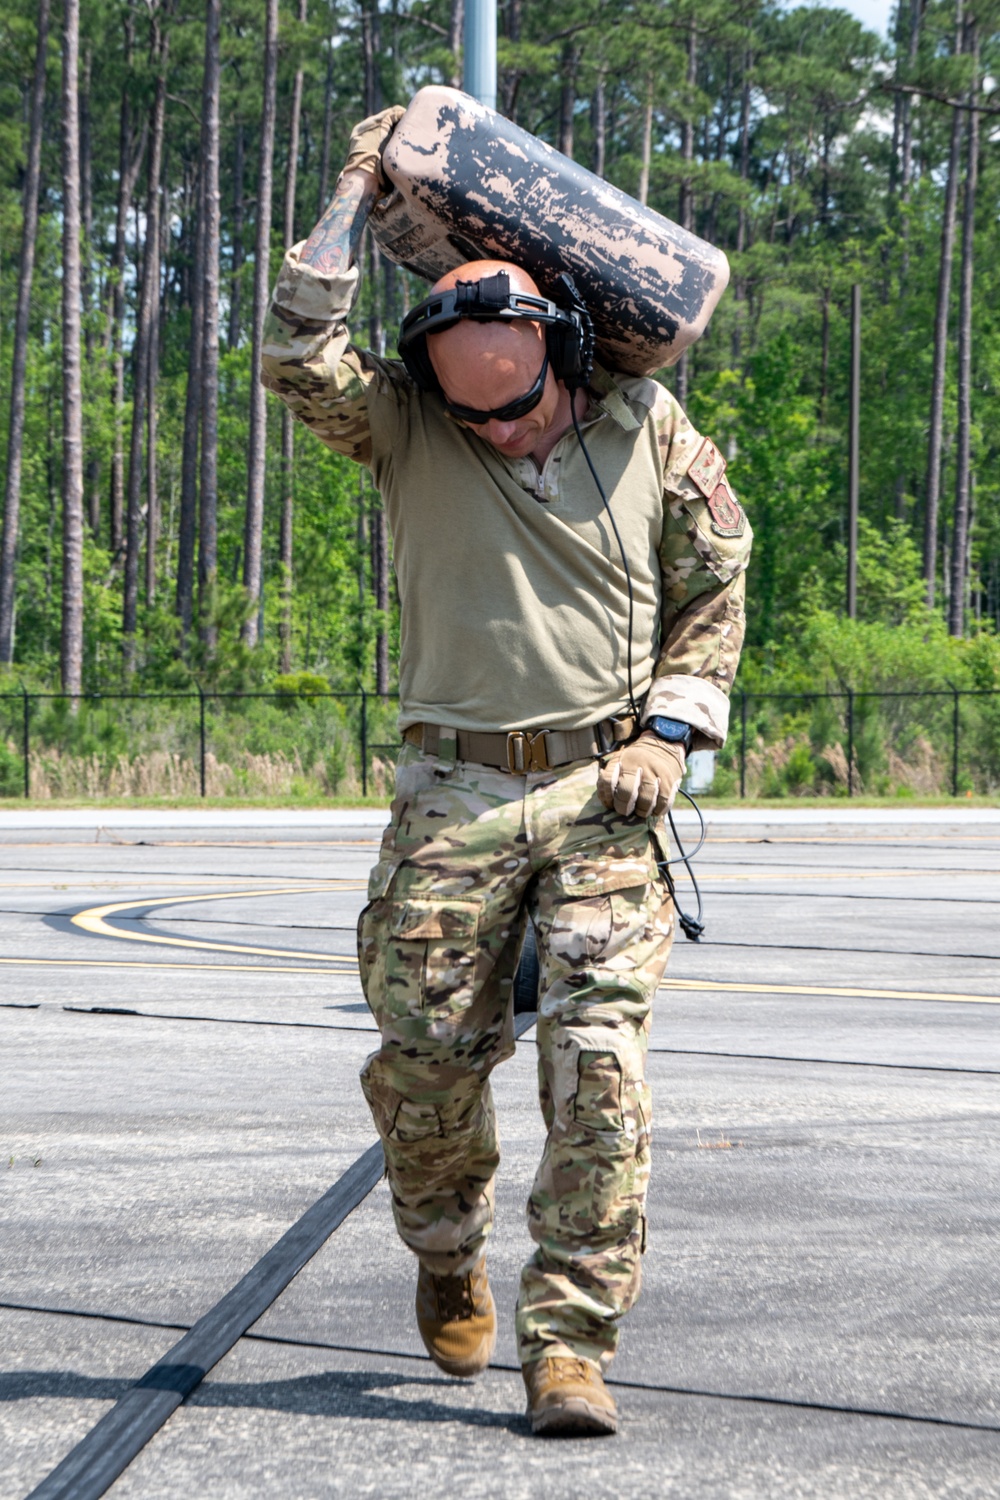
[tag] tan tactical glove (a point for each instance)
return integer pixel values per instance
(364, 153)
(642, 779)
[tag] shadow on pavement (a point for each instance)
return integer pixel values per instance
(360, 1395)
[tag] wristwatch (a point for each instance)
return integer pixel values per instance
(674, 731)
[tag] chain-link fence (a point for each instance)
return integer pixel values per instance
(305, 744)
(909, 743)
(125, 745)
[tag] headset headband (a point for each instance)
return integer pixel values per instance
(488, 301)
(492, 301)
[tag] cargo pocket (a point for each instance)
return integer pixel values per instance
(431, 955)
(397, 1118)
(600, 907)
(598, 1099)
(590, 1165)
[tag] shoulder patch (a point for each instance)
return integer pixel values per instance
(707, 468)
(728, 515)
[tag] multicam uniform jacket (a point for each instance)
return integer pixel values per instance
(514, 602)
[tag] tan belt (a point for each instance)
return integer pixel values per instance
(522, 750)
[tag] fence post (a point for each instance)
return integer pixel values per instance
(26, 742)
(364, 743)
(850, 742)
(954, 745)
(201, 735)
(743, 747)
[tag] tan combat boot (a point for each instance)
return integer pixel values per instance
(457, 1319)
(568, 1398)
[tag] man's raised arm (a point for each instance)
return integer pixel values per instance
(307, 359)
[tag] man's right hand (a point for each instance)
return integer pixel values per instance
(364, 154)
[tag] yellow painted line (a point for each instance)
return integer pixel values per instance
(94, 921)
(832, 990)
(184, 882)
(804, 838)
(804, 873)
(96, 885)
(152, 963)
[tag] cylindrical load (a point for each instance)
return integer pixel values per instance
(469, 185)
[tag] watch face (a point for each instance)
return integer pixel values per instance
(672, 730)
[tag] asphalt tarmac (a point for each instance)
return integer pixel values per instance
(181, 1028)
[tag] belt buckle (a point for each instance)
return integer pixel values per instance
(526, 752)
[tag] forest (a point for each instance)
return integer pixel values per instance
(166, 528)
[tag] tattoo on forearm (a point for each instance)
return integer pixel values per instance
(332, 245)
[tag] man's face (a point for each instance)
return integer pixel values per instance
(487, 366)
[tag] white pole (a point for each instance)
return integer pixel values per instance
(479, 69)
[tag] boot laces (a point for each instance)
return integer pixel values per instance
(568, 1369)
(454, 1297)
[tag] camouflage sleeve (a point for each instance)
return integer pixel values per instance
(704, 553)
(308, 360)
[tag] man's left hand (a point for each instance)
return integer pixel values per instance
(641, 780)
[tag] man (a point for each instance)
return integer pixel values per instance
(524, 785)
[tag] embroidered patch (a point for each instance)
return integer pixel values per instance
(728, 516)
(707, 468)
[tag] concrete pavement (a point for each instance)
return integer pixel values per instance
(820, 1310)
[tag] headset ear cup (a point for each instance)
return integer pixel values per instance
(418, 363)
(562, 353)
(571, 349)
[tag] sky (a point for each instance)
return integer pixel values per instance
(874, 13)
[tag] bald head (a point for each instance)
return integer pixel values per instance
(475, 360)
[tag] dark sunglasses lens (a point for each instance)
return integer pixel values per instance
(508, 413)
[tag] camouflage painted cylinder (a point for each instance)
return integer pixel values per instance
(469, 184)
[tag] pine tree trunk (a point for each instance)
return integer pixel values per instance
(254, 520)
(324, 158)
(92, 465)
(188, 523)
(208, 519)
(371, 43)
(71, 644)
(86, 209)
(152, 476)
(510, 82)
(906, 166)
(687, 187)
(128, 169)
(86, 197)
(15, 442)
(739, 282)
(236, 281)
(941, 343)
(647, 143)
(149, 297)
(685, 205)
(567, 98)
(599, 125)
(456, 25)
(960, 547)
(287, 420)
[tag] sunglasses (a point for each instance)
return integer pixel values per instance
(508, 413)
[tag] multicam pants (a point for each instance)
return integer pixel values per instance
(467, 850)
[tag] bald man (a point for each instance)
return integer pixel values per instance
(526, 786)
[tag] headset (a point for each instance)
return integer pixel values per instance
(569, 331)
(569, 346)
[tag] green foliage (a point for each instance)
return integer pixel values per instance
(807, 200)
(290, 686)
